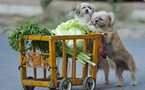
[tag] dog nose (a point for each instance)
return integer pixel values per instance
(96, 21)
(87, 11)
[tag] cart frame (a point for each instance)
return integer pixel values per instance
(54, 82)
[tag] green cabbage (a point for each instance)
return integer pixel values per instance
(74, 27)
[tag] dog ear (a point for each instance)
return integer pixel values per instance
(77, 10)
(111, 17)
(93, 9)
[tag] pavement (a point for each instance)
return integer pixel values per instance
(10, 80)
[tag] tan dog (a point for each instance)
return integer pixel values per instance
(115, 49)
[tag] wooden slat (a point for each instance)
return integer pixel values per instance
(74, 60)
(36, 83)
(85, 67)
(62, 37)
(95, 57)
(72, 37)
(52, 60)
(37, 37)
(22, 60)
(64, 58)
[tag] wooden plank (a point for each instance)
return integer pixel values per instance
(72, 37)
(74, 60)
(64, 58)
(22, 59)
(61, 37)
(37, 37)
(52, 60)
(85, 66)
(36, 83)
(95, 57)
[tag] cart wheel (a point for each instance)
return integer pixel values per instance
(65, 84)
(52, 89)
(29, 87)
(89, 84)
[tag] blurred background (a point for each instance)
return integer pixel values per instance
(129, 14)
(129, 23)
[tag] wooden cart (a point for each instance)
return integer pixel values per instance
(64, 82)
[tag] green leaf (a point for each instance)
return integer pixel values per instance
(27, 28)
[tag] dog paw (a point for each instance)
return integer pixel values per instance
(107, 83)
(119, 84)
(133, 83)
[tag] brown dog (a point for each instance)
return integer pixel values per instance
(114, 47)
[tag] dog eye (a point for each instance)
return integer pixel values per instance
(101, 19)
(83, 7)
(89, 7)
